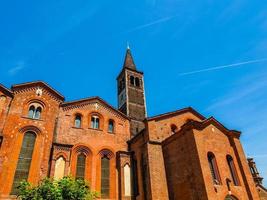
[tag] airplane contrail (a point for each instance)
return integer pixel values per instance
(223, 67)
(255, 156)
(151, 23)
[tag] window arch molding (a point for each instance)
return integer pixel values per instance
(100, 122)
(106, 152)
(36, 102)
(81, 148)
(61, 154)
(111, 126)
(35, 109)
(78, 115)
(37, 131)
(85, 150)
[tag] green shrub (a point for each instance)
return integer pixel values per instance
(66, 188)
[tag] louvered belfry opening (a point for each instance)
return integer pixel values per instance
(80, 167)
(24, 161)
(105, 176)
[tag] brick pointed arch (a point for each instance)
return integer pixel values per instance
(106, 152)
(76, 150)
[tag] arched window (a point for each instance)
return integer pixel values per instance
(80, 167)
(34, 112)
(131, 80)
(59, 168)
(38, 113)
(24, 160)
(110, 126)
(232, 169)
(31, 111)
(214, 169)
(137, 82)
(95, 122)
(105, 176)
(78, 121)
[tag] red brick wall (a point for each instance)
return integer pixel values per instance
(184, 176)
(160, 129)
(16, 124)
(211, 139)
(94, 141)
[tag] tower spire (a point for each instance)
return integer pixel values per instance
(128, 61)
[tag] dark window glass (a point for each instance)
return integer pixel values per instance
(31, 112)
(131, 80)
(105, 177)
(214, 169)
(80, 167)
(24, 161)
(78, 120)
(37, 113)
(110, 126)
(232, 169)
(137, 82)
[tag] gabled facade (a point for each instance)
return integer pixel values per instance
(122, 153)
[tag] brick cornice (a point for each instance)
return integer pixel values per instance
(192, 124)
(91, 101)
(174, 113)
(29, 86)
(6, 91)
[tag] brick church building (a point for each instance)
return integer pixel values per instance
(124, 154)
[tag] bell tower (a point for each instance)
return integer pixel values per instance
(131, 95)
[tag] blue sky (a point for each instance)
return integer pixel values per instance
(78, 48)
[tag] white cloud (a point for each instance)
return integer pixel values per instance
(18, 67)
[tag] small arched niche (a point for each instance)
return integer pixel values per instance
(59, 168)
(127, 180)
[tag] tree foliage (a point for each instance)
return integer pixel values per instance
(66, 188)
